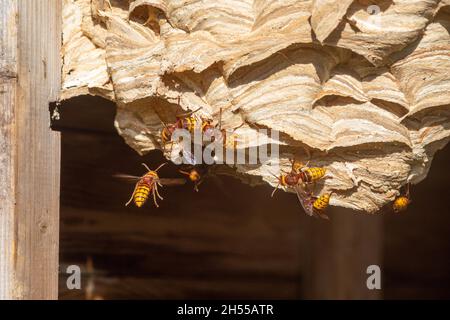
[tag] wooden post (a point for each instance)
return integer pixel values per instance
(338, 254)
(30, 36)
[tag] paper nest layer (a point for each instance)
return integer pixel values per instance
(364, 86)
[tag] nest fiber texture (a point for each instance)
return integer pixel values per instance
(364, 86)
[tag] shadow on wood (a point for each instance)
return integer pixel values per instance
(234, 244)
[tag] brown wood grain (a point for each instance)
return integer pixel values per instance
(240, 243)
(31, 151)
(8, 86)
(216, 243)
(237, 244)
(339, 254)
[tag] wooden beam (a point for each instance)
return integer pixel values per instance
(8, 83)
(338, 254)
(30, 34)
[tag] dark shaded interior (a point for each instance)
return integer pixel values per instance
(229, 240)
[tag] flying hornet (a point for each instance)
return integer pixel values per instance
(196, 174)
(148, 184)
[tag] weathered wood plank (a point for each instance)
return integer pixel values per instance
(340, 251)
(197, 253)
(8, 82)
(30, 223)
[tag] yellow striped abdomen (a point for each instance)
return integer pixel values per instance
(400, 204)
(141, 195)
(322, 202)
(312, 174)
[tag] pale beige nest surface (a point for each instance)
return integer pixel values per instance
(364, 86)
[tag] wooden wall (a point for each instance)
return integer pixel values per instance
(417, 244)
(30, 78)
(230, 240)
